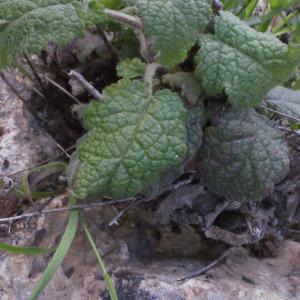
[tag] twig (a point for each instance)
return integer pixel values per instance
(137, 24)
(280, 113)
(145, 52)
(57, 144)
(121, 17)
(289, 130)
(115, 220)
(64, 209)
(34, 72)
(91, 90)
(38, 164)
(61, 89)
(208, 267)
(13, 89)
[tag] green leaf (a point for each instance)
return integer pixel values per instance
(131, 68)
(133, 137)
(243, 156)
(190, 89)
(60, 252)
(296, 36)
(31, 251)
(196, 120)
(112, 4)
(187, 84)
(24, 190)
(174, 26)
(285, 100)
(278, 7)
(31, 24)
(243, 62)
(296, 85)
(108, 281)
(250, 8)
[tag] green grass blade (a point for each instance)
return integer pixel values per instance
(274, 12)
(60, 252)
(31, 251)
(229, 4)
(25, 191)
(250, 8)
(108, 281)
(296, 86)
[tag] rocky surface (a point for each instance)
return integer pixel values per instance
(145, 262)
(22, 142)
(146, 252)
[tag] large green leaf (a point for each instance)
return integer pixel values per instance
(243, 156)
(243, 62)
(174, 26)
(133, 137)
(28, 25)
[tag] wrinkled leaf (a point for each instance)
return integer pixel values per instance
(131, 68)
(243, 156)
(243, 62)
(31, 24)
(196, 120)
(133, 137)
(174, 26)
(285, 100)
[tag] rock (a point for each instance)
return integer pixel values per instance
(22, 142)
(145, 262)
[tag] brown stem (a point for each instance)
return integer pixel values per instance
(64, 209)
(121, 17)
(34, 72)
(14, 90)
(136, 23)
(91, 90)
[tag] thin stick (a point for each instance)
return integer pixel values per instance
(34, 72)
(64, 209)
(57, 145)
(145, 52)
(208, 267)
(23, 70)
(12, 87)
(121, 17)
(280, 113)
(62, 89)
(38, 164)
(90, 89)
(137, 24)
(115, 220)
(289, 130)
(36, 91)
